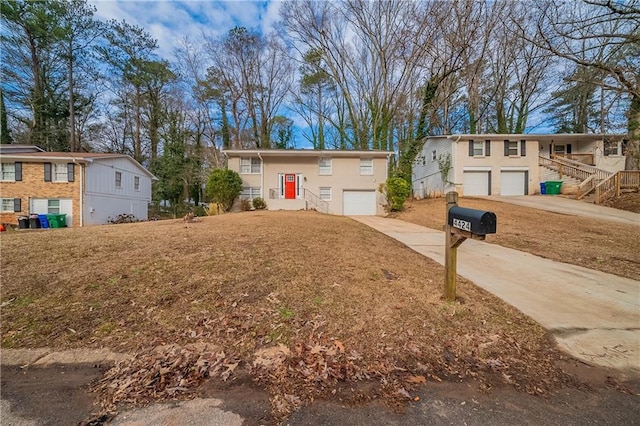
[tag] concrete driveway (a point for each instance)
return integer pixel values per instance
(593, 316)
(570, 206)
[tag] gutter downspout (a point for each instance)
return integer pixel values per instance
(262, 176)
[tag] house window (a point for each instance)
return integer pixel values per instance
(136, 183)
(8, 172)
(513, 148)
(118, 179)
(325, 193)
(559, 149)
(366, 166)
(53, 206)
(7, 204)
(250, 165)
(433, 155)
(60, 172)
(325, 166)
(478, 149)
(249, 193)
(611, 148)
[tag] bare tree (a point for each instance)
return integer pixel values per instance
(603, 35)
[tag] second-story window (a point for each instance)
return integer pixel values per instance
(118, 179)
(325, 166)
(136, 183)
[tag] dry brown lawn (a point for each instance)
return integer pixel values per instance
(604, 246)
(343, 303)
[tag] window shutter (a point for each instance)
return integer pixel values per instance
(523, 149)
(568, 148)
(18, 166)
(470, 148)
(17, 204)
(70, 172)
(526, 183)
(487, 148)
(47, 172)
(506, 148)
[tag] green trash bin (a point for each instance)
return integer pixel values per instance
(553, 187)
(53, 221)
(62, 220)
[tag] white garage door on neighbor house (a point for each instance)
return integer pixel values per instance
(359, 203)
(476, 183)
(53, 206)
(513, 182)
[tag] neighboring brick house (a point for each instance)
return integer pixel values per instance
(331, 181)
(89, 188)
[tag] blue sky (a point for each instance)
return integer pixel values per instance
(171, 21)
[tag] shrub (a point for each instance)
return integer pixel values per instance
(259, 203)
(223, 187)
(397, 191)
(245, 205)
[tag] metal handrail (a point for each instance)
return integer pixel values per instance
(319, 204)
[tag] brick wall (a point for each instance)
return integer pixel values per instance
(34, 186)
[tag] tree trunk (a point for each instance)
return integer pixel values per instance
(633, 145)
(72, 110)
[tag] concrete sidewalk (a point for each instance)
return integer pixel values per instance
(560, 204)
(594, 316)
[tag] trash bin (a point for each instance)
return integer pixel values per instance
(23, 222)
(44, 222)
(34, 222)
(62, 220)
(53, 221)
(543, 188)
(553, 187)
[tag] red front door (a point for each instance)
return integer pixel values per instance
(290, 186)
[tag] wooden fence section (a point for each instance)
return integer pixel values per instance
(629, 179)
(582, 158)
(608, 188)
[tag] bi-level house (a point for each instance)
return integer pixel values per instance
(89, 188)
(336, 182)
(508, 164)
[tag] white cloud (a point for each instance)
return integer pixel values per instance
(170, 21)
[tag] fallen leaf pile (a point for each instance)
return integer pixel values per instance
(162, 373)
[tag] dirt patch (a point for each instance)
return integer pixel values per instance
(361, 316)
(604, 246)
(629, 201)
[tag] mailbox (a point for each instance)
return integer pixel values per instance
(477, 222)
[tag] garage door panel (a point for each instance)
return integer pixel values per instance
(476, 183)
(513, 183)
(359, 203)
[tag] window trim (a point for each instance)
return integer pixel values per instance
(49, 205)
(17, 172)
(136, 183)
(254, 192)
(328, 169)
(434, 156)
(118, 181)
(368, 171)
(11, 204)
(508, 148)
(482, 148)
(327, 188)
(59, 172)
(253, 161)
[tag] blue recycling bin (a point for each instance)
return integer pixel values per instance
(543, 188)
(44, 222)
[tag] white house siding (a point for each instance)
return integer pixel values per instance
(426, 179)
(103, 200)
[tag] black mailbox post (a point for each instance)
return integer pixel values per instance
(478, 222)
(462, 223)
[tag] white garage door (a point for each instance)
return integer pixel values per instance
(359, 203)
(513, 183)
(53, 205)
(476, 183)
